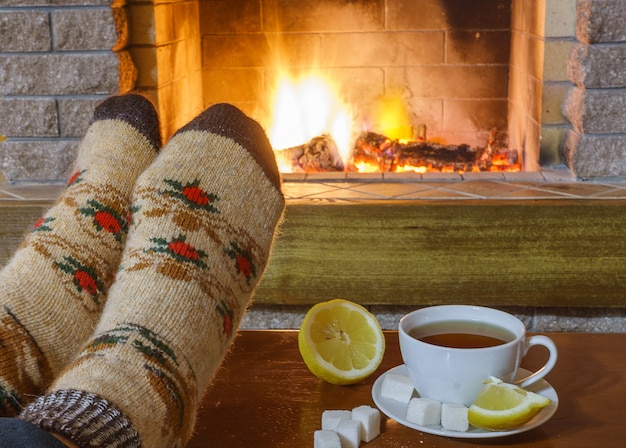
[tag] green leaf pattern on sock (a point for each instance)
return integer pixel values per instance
(158, 360)
(75, 178)
(43, 225)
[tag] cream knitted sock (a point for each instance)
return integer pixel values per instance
(207, 211)
(53, 289)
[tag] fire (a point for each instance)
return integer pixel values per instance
(392, 118)
(313, 129)
(305, 108)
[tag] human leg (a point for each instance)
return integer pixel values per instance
(206, 214)
(53, 289)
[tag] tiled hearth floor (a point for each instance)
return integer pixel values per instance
(553, 184)
(550, 184)
(354, 187)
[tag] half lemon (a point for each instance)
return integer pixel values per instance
(341, 342)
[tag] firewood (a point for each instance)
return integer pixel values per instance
(389, 155)
(317, 155)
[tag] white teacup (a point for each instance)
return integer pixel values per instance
(455, 375)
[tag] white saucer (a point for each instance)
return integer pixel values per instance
(397, 410)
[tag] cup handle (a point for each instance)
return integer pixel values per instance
(547, 367)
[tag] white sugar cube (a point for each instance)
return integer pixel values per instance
(424, 411)
(397, 387)
(349, 432)
(454, 417)
(325, 438)
(330, 419)
(369, 419)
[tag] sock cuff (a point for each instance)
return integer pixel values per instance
(228, 121)
(134, 109)
(84, 418)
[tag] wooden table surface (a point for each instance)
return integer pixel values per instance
(264, 396)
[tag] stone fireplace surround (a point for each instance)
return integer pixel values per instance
(77, 52)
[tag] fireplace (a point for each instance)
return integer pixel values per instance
(462, 69)
(546, 74)
(446, 63)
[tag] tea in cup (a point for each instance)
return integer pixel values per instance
(450, 350)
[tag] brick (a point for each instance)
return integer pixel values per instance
(601, 21)
(76, 114)
(231, 85)
(475, 115)
(598, 66)
(39, 161)
(598, 155)
(324, 15)
(478, 47)
(29, 117)
(550, 145)
(383, 49)
(59, 74)
(556, 55)
(597, 111)
(226, 16)
(24, 31)
(83, 29)
(451, 14)
(451, 81)
(552, 98)
(560, 18)
(234, 51)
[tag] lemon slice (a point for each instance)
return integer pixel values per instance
(501, 406)
(341, 342)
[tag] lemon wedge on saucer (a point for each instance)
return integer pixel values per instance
(501, 406)
(341, 342)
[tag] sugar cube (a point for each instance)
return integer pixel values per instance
(349, 432)
(424, 411)
(397, 387)
(330, 419)
(454, 417)
(369, 419)
(325, 438)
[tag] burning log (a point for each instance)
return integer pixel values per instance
(388, 155)
(317, 155)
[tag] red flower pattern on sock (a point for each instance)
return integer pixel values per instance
(243, 261)
(192, 195)
(180, 250)
(83, 277)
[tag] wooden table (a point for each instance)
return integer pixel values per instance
(264, 396)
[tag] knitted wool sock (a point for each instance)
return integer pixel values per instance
(207, 211)
(53, 289)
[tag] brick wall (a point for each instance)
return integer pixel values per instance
(596, 144)
(56, 62)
